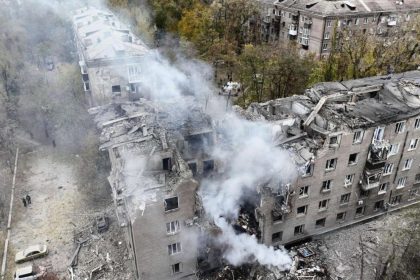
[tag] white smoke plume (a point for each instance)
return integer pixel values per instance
(246, 152)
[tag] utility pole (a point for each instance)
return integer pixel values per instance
(6, 242)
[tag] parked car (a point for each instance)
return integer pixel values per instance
(102, 223)
(25, 273)
(30, 253)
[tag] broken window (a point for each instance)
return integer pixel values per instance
(334, 140)
(348, 180)
(303, 191)
(167, 164)
(364, 193)
(172, 227)
(341, 216)
(399, 127)
(299, 229)
(208, 166)
(407, 164)
(413, 144)
(401, 182)
(116, 89)
(378, 205)
(417, 178)
(330, 164)
(345, 198)
(383, 187)
(413, 193)
(417, 123)
(395, 200)
(360, 210)
(320, 223)
(86, 86)
(174, 248)
(388, 168)
(358, 137)
(171, 203)
(353, 158)
(323, 204)
(302, 210)
(329, 23)
(193, 168)
(176, 268)
(276, 217)
(309, 167)
(326, 186)
(378, 135)
(276, 237)
(393, 150)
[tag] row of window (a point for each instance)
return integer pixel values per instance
(340, 217)
(345, 198)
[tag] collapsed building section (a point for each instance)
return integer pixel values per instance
(152, 147)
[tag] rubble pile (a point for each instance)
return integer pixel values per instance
(100, 251)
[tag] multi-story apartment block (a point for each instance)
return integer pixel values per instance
(313, 23)
(357, 143)
(155, 155)
(109, 54)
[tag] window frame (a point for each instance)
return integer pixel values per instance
(327, 186)
(305, 192)
(174, 248)
(328, 164)
(400, 127)
(386, 168)
(346, 199)
(165, 204)
(412, 147)
(359, 139)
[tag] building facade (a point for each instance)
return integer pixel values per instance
(312, 24)
(357, 145)
(109, 56)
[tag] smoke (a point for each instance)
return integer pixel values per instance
(244, 150)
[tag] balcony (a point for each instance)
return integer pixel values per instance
(370, 179)
(378, 152)
(293, 30)
(392, 21)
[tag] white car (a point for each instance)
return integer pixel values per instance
(30, 253)
(25, 273)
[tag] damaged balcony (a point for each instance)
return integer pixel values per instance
(378, 153)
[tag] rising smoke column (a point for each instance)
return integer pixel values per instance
(249, 156)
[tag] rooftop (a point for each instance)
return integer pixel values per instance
(103, 36)
(348, 7)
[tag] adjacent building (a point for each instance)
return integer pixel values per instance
(313, 23)
(357, 143)
(109, 56)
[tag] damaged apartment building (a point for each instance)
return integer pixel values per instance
(109, 54)
(357, 145)
(155, 153)
(355, 142)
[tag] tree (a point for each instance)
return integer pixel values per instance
(358, 53)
